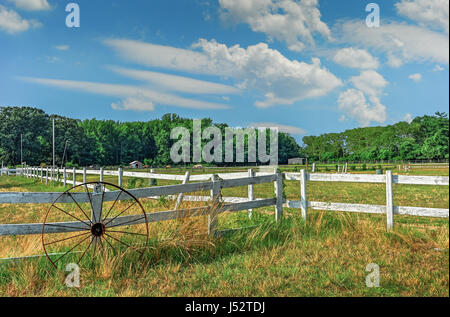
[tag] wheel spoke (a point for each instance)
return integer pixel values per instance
(72, 215)
(126, 222)
(110, 245)
(112, 205)
(55, 225)
(71, 249)
(124, 243)
(95, 247)
(101, 244)
(65, 239)
(89, 245)
(133, 233)
(90, 200)
(134, 203)
(87, 217)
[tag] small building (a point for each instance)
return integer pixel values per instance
(136, 164)
(297, 161)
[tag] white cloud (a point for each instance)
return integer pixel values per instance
(285, 20)
(281, 127)
(342, 118)
(432, 13)
(408, 118)
(62, 47)
(258, 67)
(370, 82)
(161, 56)
(402, 43)
(354, 104)
(355, 58)
(438, 68)
(12, 22)
(177, 83)
(31, 5)
(134, 98)
(131, 103)
(416, 77)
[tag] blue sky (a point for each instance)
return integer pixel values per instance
(308, 67)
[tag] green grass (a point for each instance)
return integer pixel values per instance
(324, 256)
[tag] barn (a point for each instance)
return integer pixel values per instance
(136, 164)
(297, 161)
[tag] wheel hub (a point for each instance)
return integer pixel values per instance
(98, 229)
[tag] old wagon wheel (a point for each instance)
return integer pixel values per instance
(82, 224)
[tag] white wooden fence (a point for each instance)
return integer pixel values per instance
(226, 180)
(214, 186)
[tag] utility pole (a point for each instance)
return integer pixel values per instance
(53, 143)
(64, 154)
(21, 149)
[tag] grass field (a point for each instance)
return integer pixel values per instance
(324, 256)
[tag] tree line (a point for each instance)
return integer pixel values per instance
(425, 137)
(112, 143)
(101, 142)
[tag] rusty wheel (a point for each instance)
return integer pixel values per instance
(81, 224)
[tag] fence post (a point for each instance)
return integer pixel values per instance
(120, 180)
(180, 195)
(46, 175)
(101, 174)
(151, 180)
(389, 201)
(42, 174)
(65, 176)
(96, 215)
(303, 197)
(278, 184)
(215, 196)
(84, 175)
(74, 176)
(251, 194)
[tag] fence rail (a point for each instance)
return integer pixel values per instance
(215, 186)
(215, 183)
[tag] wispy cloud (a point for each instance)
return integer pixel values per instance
(133, 98)
(415, 77)
(257, 67)
(62, 47)
(177, 83)
(400, 42)
(432, 13)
